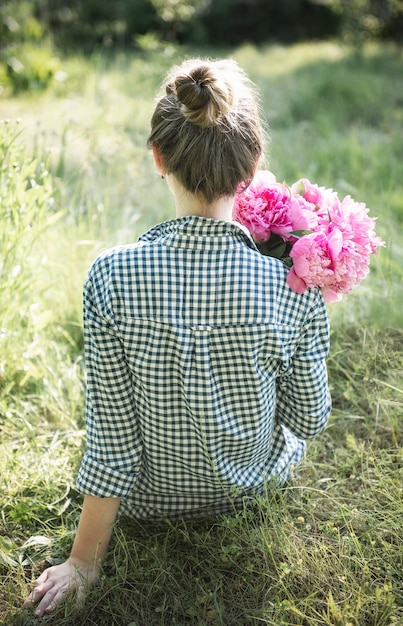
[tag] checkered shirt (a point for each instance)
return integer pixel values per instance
(205, 372)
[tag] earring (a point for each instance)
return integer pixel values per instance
(162, 176)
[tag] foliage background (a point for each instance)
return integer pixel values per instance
(33, 33)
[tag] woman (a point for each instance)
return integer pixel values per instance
(205, 372)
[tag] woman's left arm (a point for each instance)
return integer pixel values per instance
(303, 398)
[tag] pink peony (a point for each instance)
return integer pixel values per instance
(311, 192)
(352, 218)
(328, 260)
(263, 207)
(302, 214)
(312, 263)
(320, 200)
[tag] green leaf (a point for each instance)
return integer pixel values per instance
(37, 540)
(7, 559)
(300, 233)
(8, 550)
(301, 189)
(276, 247)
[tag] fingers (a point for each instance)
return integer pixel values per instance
(50, 600)
(43, 577)
(39, 588)
(51, 588)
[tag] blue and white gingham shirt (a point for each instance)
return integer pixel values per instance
(205, 372)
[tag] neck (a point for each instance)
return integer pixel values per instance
(187, 203)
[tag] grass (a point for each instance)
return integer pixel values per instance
(326, 550)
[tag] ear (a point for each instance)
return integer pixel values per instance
(158, 160)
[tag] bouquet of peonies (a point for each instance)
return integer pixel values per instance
(326, 241)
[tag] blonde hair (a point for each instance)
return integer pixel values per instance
(207, 128)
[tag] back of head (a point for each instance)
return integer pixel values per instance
(207, 127)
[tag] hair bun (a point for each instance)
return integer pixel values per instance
(204, 94)
(206, 127)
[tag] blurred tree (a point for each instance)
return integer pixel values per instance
(180, 19)
(26, 51)
(89, 23)
(364, 19)
(18, 23)
(235, 21)
(86, 24)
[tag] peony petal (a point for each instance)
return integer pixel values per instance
(300, 259)
(295, 282)
(335, 242)
(331, 296)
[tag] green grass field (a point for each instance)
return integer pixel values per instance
(76, 178)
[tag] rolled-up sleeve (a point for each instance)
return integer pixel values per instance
(114, 445)
(303, 400)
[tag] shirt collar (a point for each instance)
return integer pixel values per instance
(195, 232)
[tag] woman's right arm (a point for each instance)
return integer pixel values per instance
(84, 563)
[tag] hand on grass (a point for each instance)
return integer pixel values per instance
(83, 565)
(56, 582)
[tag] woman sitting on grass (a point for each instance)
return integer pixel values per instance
(205, 372)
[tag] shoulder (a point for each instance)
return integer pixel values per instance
(110, 261)
(106, 275)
